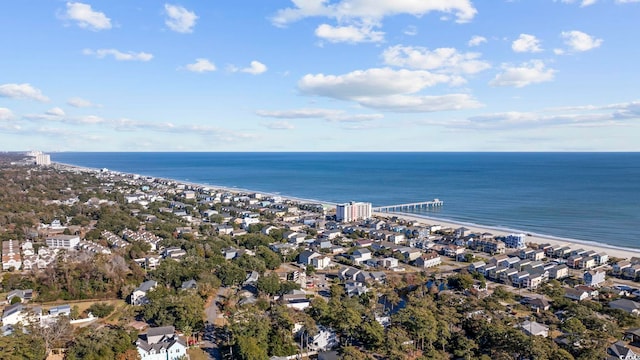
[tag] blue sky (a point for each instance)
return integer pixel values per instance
(320, 75)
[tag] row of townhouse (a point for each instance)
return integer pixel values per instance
(113, 239)
(576, 258)
(92, 247)
(11, 257)
(518, 272)
(628, 269)
(143, 236)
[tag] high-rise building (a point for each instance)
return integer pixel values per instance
(43, 159)
(353, 211)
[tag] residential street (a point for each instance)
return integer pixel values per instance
(208, 344)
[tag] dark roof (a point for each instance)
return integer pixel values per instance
(328, 355)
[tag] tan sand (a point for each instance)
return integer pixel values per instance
(612, 251)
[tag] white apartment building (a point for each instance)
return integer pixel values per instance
(63, 241)
(353, 211)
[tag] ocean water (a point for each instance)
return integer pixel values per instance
(584, 196)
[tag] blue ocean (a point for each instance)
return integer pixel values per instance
(584, 196)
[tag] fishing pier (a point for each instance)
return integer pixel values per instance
(412, 206)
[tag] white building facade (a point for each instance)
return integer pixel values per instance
(353, 211)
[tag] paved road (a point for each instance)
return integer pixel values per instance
(208, 344)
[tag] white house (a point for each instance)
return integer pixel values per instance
(325, 339)
(161, 343)
(321, 262)
(594, 277)
(428, 260)
(139, 295)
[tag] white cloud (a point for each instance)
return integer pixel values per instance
(444, 59)
(585, 3)
(201, 65)
(387, 89)
(56, 111)
(526, 43)
(22, 91)
(255, 68)
(528, 73)
(370, 82)
(299, 113)
(626, 1)
(179, 19)
(579, 41)
(349, 34)
(79, 102)
(407, 103)
(411, 30)
(576, 116)
(5, 114)
(279, 125)
(477, 40)
(118, 55)
(86, 17)
(347, 10)
(326, 114)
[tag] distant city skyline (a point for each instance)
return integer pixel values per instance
(319, 75)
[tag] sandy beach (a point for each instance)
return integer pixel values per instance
(612, 251)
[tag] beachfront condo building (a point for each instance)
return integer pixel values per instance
(353, 211)
(515, 241)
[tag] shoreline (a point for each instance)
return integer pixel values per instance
(611, 250)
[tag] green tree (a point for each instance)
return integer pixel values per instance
(269, 284)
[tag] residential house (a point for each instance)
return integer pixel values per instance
(16, 313)
(411, 254)
(139, 295)
(189, 285)
(537, 304)
(594, 277)
(619, 350)
(489, 245)
(428, 260)
(174, 252)
(324, 339)
(355, 288)
(477, 266)
(161, 343)
(631, 272)
(388, 262)
(230, 253)
(626, 305)
(576, 294)
(534, 328)
(618, 267)
(321, 263)
(453, 250)
(361, 255)
(588, 262)
(562, 252)
(559, 272)
(306, 256)
(60, 310)
(601, 258)
(397, 239)
(350, 273)
(298, 301)
(24, 295)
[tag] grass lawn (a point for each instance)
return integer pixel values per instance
(196, 353)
